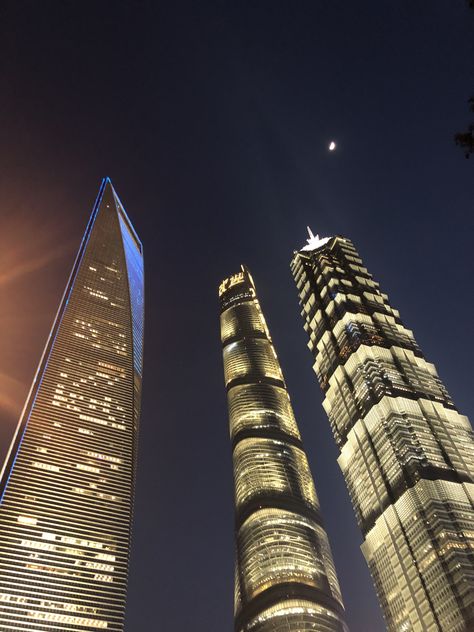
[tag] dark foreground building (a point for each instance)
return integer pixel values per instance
(406, 453)
(285, 577)
(67, 483)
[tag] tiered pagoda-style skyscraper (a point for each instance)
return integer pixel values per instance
(406, 453)
(285, 577)
(67, 484)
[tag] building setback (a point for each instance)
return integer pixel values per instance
(68, 480)
(406, 453)
(285, 576)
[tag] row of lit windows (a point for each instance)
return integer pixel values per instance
(261, 406)
(296, 615)
(277, 546)
(269, 466)
(420, 545)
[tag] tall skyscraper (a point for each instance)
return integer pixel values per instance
(68, 481)
(406, 453)
(285, 577)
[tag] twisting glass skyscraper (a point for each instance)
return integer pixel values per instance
(406, 453)
(68, 481)
(285, 577)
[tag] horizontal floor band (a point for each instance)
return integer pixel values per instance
(282, 592)
(284, 502)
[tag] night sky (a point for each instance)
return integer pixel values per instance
(213, 120)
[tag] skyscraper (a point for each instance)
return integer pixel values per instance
(285, 577)
(406, 453)
(68, 481)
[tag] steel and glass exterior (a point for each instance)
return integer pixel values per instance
(285, 576)
(406, 453)
(68, 481)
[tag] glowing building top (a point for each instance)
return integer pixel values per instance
(315, 241)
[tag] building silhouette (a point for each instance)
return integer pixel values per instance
(68, 481)
(406, 453)
(285, 576)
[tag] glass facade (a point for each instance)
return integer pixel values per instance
(285, 576)
(406, 453)
(68, 481)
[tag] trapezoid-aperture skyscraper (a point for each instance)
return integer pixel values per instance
(68, 481)
(406, 453)
(285, 579)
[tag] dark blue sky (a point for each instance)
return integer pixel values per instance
(213, 120)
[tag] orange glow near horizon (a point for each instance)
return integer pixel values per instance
(30, 290)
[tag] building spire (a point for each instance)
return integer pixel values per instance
(314, 241)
